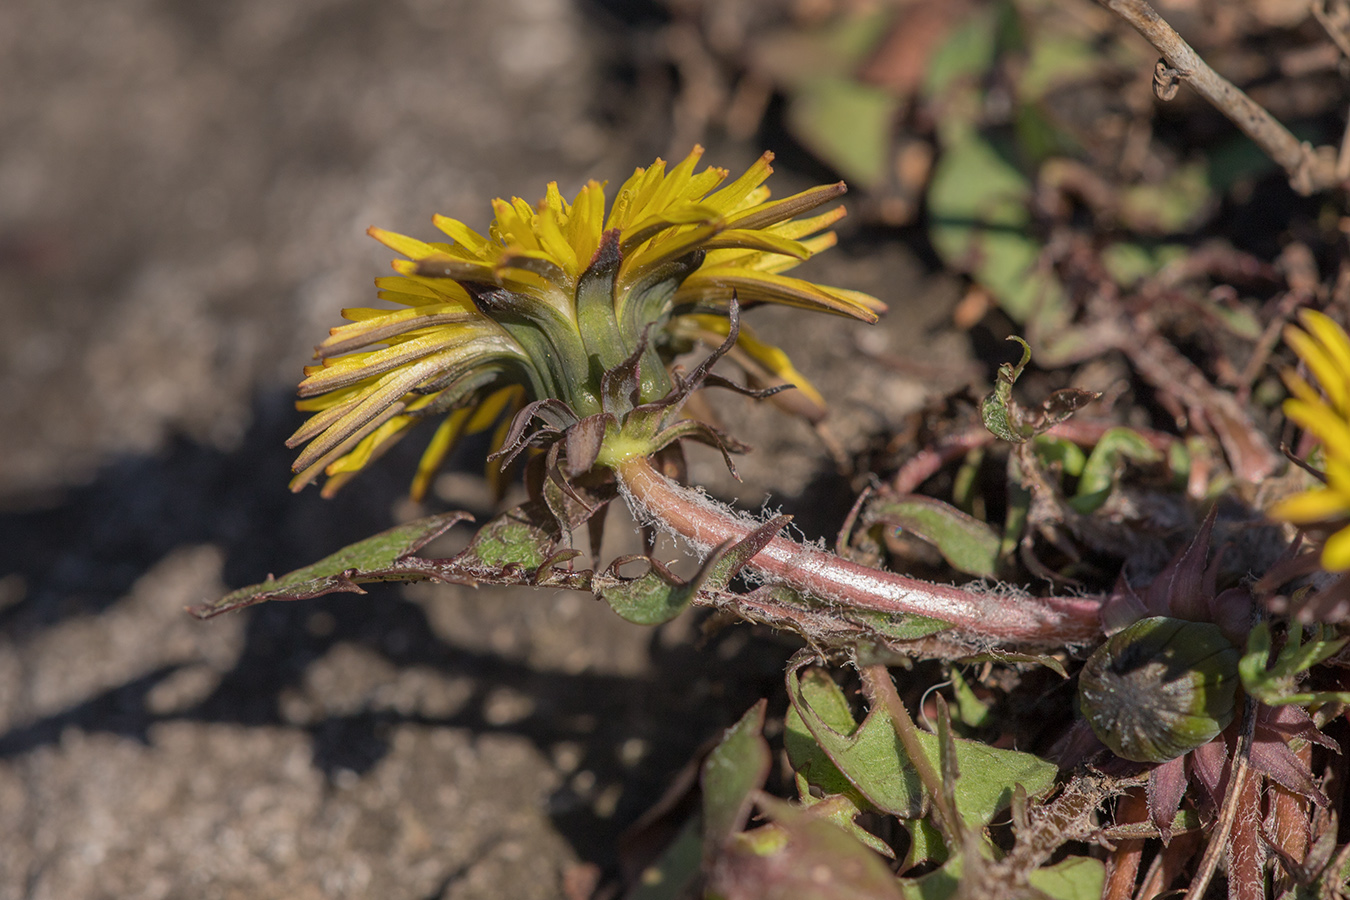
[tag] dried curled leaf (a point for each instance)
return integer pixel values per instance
(1010, 421)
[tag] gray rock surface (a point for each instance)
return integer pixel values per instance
(183, 191)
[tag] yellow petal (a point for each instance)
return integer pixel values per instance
(401, 243)
(1323, 422)
(1336, 552)
(468, 240)
(1311, 506)
(1324, 368)
(586, 221)
(442, 442)
(1331, 336)
(734, 195)
(492, 406)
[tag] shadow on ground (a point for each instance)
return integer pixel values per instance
(627, 728)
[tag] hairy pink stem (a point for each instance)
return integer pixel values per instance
(1005, 619)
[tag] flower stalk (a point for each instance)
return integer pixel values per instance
(1004, 619)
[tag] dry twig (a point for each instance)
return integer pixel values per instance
(1310, 169)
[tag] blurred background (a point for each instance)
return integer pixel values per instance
(184, 190)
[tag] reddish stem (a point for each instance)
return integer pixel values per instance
(986, 618)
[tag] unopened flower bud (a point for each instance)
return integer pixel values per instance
(1160, 688)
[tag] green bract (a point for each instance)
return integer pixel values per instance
(1160, 688)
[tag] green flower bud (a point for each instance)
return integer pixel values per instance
(1160, 688)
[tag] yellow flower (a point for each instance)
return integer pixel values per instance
(1325, 350)
(552, 298)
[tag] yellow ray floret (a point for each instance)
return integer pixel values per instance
(1324, 348)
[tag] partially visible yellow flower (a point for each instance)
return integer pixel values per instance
(1324, 348)
(553, 297)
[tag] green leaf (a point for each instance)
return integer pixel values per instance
(967, 53)
(871, 757)
(980, 223)
(968, 544)
(654, 598)
(848, 125)
(673, 875)
(893, 626)
(512, 539)
(1075, 878)
(939, 885)
(1057, 451)
(1174, 205)
(1104, 464)
(1273, 683)
(793, 57)
(374, 559)
(1010, 421)
(659, 596)
(842, 810)
(997, 410)
(925, 844)
(972, 712)
(734, 770)
(1057, 59)
(1128, 262)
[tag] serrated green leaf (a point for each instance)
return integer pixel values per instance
(364, 562)
(658, 596)
(512, 538)
(997, 409)
(804, 752)
(1007, 419)
(968, 544)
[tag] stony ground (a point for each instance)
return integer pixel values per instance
(183, 191)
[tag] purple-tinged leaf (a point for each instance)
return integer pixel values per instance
(583, 443)
(1272, 756)
(1291, 721)
(1166, 788)
(1183, 589)
(1209, 764)
(800, 857)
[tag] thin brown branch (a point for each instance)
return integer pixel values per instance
(1310, 170)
